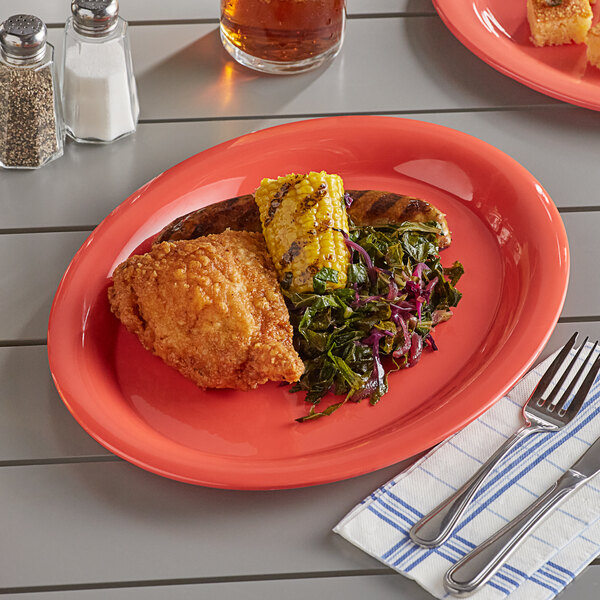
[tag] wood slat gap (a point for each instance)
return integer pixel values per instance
(586, 319)
(392, 15)
(195, 581)
(66, 460)
(154, 23)
(215, 20)
(576, 209)
(30, 342)
(425, 111)
(206, 580)
(49, 229)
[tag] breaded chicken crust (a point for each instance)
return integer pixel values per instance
(210, 307)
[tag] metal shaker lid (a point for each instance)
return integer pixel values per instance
(22, 39)
(95, 17)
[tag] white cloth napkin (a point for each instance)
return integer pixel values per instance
(553, 554)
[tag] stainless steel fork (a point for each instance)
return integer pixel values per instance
(541, 413)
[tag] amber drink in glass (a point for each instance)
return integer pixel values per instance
(283, 36)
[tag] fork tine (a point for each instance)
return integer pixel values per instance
(553, 368)
(550, 399)
(582, 392)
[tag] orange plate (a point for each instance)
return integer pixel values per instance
(507, 232)
(498, 32)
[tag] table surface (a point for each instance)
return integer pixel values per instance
(75, 519)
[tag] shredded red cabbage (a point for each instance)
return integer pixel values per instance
(378, 374)
(420, 301)
(431, 341)
(371, 270)
(429, 287)
(399, 352)
(376, 334)
(419, 268)
(404, 305)
(360, 250)
(416, 348)
(392, 290)
(412, 287)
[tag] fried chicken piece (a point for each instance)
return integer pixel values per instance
(211, 308)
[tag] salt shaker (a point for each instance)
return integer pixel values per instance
(99, 95)
(31, 131)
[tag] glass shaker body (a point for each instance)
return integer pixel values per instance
(99, 95)
(31, 127)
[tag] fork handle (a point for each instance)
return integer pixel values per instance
(479, 566)
(435, 528)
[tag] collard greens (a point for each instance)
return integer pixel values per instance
(351, 338)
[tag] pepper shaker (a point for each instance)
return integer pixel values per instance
(31, 129)
(99, 94)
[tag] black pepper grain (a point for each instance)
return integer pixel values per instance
(28, 126)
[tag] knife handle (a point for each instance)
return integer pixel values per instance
(476, 568)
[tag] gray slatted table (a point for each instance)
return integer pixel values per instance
(77, 522)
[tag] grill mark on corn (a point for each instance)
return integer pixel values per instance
(313, 199)
(292, 252)
(325, 226)
(306, 216)
(286, 280)
(276, 201)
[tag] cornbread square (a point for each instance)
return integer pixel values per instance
(593, 45)
(555, 22)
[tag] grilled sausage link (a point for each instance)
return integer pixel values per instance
(369, 207)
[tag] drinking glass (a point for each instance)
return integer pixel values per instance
(283, 36)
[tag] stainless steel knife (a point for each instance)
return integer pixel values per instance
(479, 566)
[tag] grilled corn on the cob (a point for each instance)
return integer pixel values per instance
(302, 218)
